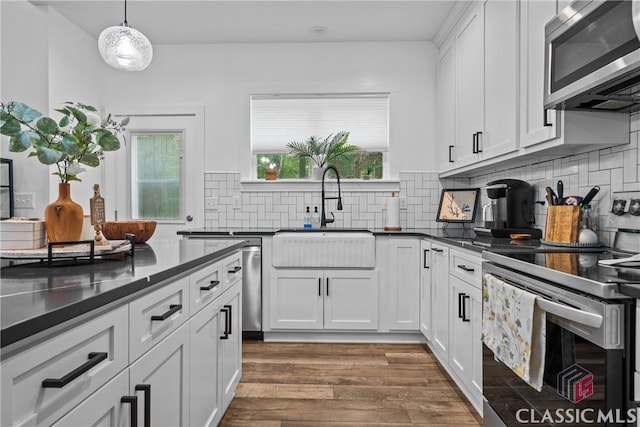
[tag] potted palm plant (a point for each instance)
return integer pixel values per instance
(322, 151)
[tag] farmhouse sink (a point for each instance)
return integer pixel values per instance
(324, 249)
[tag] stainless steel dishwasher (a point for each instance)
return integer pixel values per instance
(252, 290)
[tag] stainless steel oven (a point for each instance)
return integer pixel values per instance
(592, 59)
(589, 351)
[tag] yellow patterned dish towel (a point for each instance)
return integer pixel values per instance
(514, 328)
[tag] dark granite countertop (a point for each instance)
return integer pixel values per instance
(464, 238)
(34, 297)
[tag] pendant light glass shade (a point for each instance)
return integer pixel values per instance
(125, 48)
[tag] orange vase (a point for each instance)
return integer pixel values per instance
(63, 218)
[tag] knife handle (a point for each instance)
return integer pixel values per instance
(560, 189)
(590, 195)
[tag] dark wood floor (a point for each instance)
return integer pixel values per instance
(286, 385)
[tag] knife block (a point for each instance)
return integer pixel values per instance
(563, 224)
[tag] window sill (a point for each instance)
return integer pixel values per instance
(311, 185)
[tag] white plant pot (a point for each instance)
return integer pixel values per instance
(316, 172)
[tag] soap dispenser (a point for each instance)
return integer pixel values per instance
(307, 218)
(316, 217)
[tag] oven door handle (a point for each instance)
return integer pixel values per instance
(570, 313)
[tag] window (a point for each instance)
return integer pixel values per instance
(279, 119)
(156, 164)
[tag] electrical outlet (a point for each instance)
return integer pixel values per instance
(403, 202)
(24, 200)
(211, 203)
(237, 202)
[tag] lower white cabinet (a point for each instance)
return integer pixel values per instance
(440, 299)
(160, 378)
(324, 299)
(112, 406)
(230, 342)
(425, 289)
(465, 346)
(402, 290)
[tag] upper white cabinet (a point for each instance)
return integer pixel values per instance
(477, 86)
(498, 94)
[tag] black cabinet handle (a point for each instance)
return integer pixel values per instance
(478, 149)
(225, 310)
(460, 309)
(451, 154)
(235, 270)
(424, 258)
(228, 307)
(465, 268)
(146, 388)
(319, 286)
(133, 401)
(474, 143)
(545, 121)
(94, 359)
(437, 250)
(212, 285)
(327, 286)
(464, 308)
(173, 308)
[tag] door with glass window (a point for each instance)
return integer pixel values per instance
(159, 175)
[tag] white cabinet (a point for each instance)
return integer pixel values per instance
(469, 72)
(205, 406)
(110, 406)
(446, 95)
(402, 290)
(323, 299)
(42, 383)
(230, 341)
(465, 347)
(160, 378)
(440, 299)
(559, 132)
(425, 289)
(477, 86)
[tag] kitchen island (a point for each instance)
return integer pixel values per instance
(154, 337)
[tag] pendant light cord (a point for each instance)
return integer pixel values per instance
(126, 24)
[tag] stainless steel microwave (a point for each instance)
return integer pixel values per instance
(592, 59)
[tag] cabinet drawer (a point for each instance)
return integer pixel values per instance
(466, 266)
(232, 269)
(155, 315)
(42, 383)
(205, 285)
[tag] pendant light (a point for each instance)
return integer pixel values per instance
(124, 47)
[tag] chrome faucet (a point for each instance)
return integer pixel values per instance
(323, 218)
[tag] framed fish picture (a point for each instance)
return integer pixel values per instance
(458, 205)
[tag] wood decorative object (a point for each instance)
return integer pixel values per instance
(96, 205)
(117, 229)
(563, 224)
(270, 175)
(63, 218)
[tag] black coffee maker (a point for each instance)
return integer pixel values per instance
(510, 209)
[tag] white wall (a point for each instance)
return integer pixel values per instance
(220, 76)
(24, 77)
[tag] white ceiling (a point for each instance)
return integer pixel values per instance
(251, 21)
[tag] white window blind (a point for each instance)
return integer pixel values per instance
(279, 119)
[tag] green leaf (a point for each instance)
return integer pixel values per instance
(79, 115)
(17, 144)
(47, 126)
(90, 108)
(124, 121)
(11, 127)
(108, 141)
(24, 112)
(73, 178)
(64, 121)
(90, 160)
(63, 111)
(70, 145)
(49, 156)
